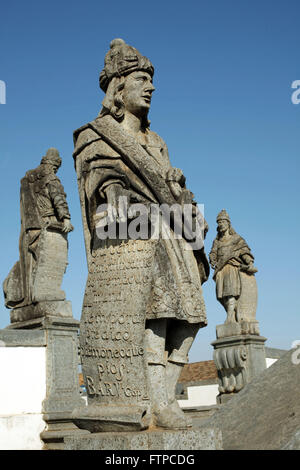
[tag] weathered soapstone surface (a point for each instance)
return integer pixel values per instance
(232, 261)
(56, 341)
(143, 302)
(239, 352)
(265, 415)
(33, 287)
(202, 438)
(238, 360)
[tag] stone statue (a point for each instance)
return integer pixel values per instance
(143, 303)
(239, 351)
(32, 288)
(232, 260)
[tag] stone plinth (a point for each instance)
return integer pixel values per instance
(238, 358)
(204, 438)
(41, 382)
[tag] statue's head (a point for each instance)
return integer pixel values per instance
(224, 223)
(127, 81)
(52, 158)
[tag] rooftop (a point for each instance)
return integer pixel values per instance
(198, 371)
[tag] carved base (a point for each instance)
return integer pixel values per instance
(62, 380)
(109, 418)
(238, 360)
(55, 433)
(224, 398)
(55, 308)
(202, 437)
(235, 329)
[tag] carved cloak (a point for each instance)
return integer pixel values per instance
(104, 154)
(227, 258)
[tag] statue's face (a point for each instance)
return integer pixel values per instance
(137, 92)
(223, 225)
(56, 167)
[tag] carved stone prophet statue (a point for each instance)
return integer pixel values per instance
(33, 287)
(232, 260)
(143, 303)
(239, 351)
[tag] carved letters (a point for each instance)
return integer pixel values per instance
(113, 322)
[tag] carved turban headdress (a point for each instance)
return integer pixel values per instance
(223, 215)
(121, 60)
(52, 156)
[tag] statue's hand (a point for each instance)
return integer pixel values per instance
(248, 268)
(251, 269)
(67, 226)
(175, 180)
(176, 189)
(175, 174)
(117, 201)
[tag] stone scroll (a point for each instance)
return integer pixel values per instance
(112, 331)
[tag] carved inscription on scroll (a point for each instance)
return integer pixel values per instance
(113, 323)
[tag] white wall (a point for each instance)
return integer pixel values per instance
(22, 390)
(270, 361)
(206, 395)
(202, 395)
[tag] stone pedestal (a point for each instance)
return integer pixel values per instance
(238, 358)
(202, 438)
(57, 340)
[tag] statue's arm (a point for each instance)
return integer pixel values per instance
(59, 200)
(213, 258)
(247, 259)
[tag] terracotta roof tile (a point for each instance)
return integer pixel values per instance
(81, 382)
(197, 371)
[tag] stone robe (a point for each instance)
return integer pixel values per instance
(226, 256)
(105, 154)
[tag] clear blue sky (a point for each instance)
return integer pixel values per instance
(223, 75)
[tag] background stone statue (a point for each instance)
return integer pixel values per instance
(143, 301)
(232, 260)
(239, 351)
(32, 288)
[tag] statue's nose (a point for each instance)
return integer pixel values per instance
(150, 87)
